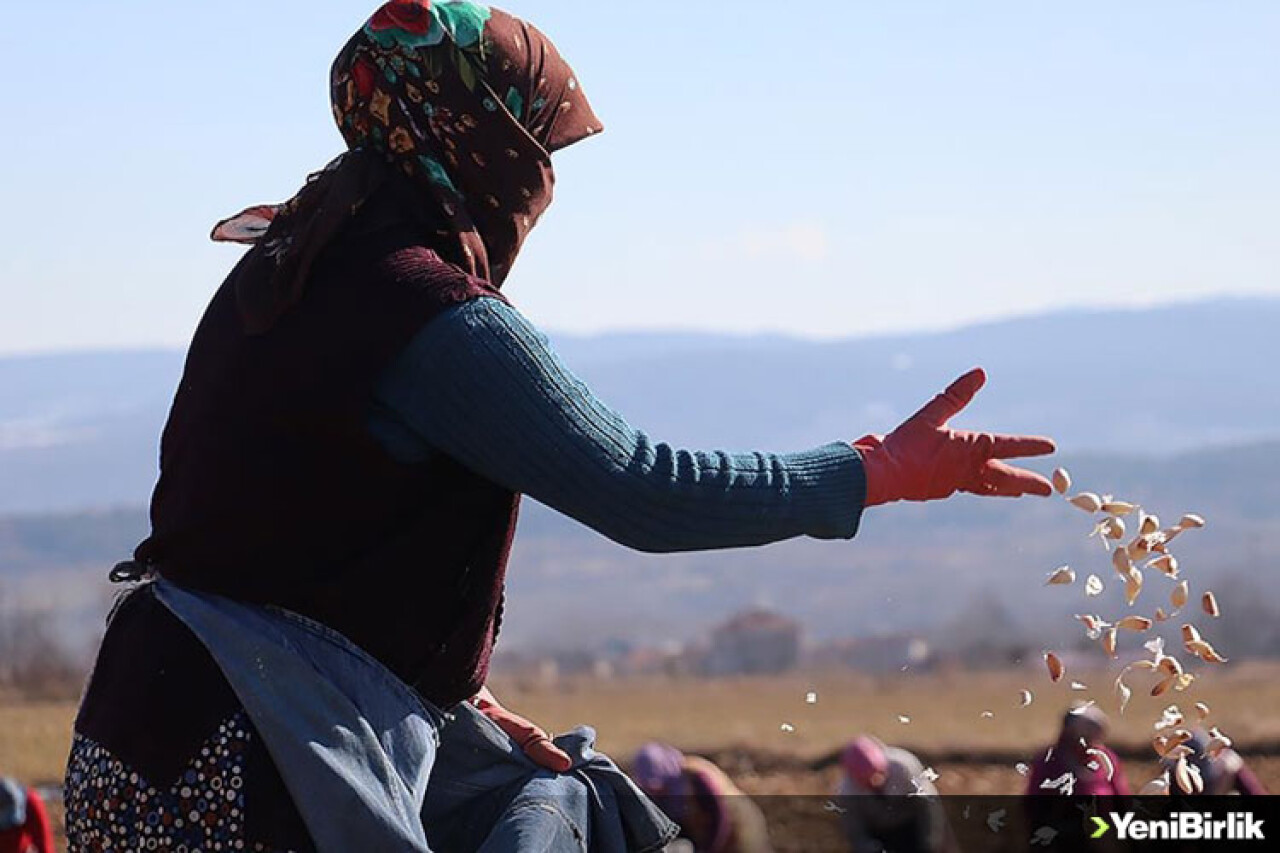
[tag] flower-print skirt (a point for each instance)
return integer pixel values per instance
(164, 757)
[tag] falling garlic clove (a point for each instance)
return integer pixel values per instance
(1166, 564)
(1202, 711)
(1160, 615)
(1121, 562)
(1163, 686)
(1092, 624)
(1169, 664)
(1197, 780)
(1209, 603)
(1112, 528)
(1123, 692)
(1217, 743)
(1109, 642)
(1054, 664)
(1190, 634)
(1170, 718)
(1203, 650)
(1061, 481)
(1157, 787)
(1182, 775)
(1104, 761)
(1061, 576)
(1087, 501)
(1135, 623)
(1148, 524)
(1181, 592)
(1118, 507)
(1024, 698)
(1133, 585)
(1190, 521)
(1139, 548)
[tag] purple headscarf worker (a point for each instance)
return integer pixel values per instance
(713, 814)
(360, 412)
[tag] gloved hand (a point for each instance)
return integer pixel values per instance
(923, 460)
(533, 739)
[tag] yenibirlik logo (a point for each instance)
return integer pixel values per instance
(1182, 826)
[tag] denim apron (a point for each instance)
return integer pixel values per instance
(373, 767)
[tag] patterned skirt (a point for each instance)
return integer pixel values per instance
(164, 757)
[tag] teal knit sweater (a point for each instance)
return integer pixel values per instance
(481, 384)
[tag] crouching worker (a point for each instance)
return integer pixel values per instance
(1081, 756)
(713, 814)
(1223, 772)
(886, 802)
(24, 823)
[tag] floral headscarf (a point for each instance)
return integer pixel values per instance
(467, 102)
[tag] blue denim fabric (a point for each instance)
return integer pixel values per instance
(354, 745)
(494, 798)
(374, 768)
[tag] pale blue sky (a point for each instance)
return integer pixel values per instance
(823, 168)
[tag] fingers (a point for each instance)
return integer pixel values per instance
(1018, 446)
(546, 754)
(1001, 480)
(535, 742)
(946, 405)
(531, 738)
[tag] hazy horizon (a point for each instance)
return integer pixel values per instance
(558, 334)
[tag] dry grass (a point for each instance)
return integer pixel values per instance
(35, 738)
(945, 712)
(945, 709)
(738, 721)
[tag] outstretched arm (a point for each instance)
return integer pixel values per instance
(482, 385)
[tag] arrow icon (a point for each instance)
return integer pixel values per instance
(1102, 829)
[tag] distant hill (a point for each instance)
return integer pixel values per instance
(1178, 407)
(81, 431)
(912, 567)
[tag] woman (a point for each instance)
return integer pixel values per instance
(24, 823)
(360, 410)
(887, 803)
(713, 814)
(1080, 752)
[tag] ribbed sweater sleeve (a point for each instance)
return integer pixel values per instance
(482, 385)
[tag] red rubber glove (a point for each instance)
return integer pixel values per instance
(533, 739)
(922, 460)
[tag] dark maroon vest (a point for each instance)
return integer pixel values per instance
(273, 491)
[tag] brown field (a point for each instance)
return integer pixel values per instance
(738, 723)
